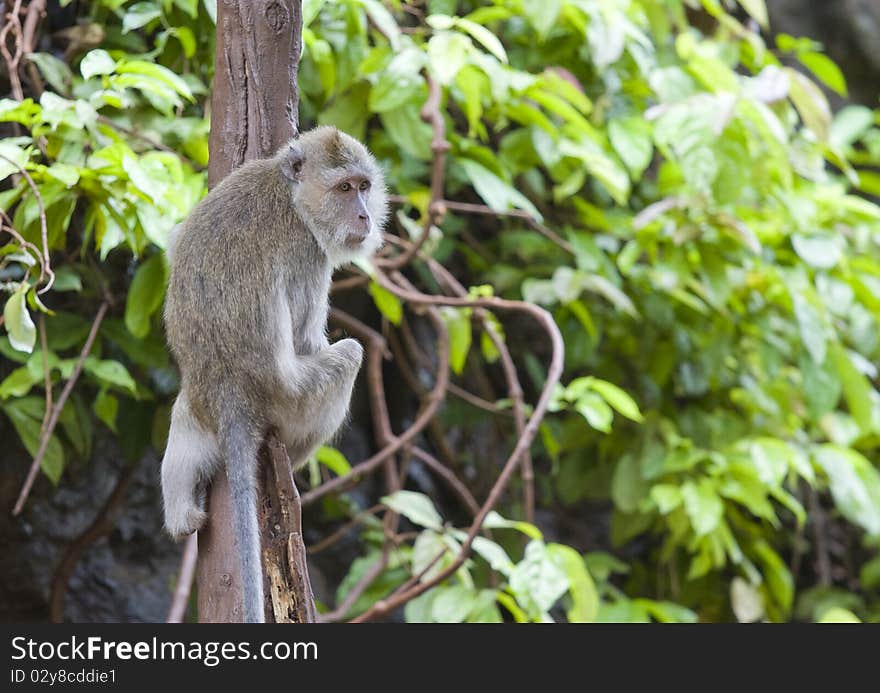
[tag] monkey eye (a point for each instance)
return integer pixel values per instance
(345, 186)
(365, 185)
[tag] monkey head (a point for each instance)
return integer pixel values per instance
(338, 190)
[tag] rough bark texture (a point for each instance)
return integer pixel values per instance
(254, 103)
(254, 112)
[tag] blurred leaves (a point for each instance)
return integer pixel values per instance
(717, 281)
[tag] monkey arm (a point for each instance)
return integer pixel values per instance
(318, 394)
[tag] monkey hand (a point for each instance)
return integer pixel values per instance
(350, 353)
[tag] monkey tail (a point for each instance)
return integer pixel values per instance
(240, 448)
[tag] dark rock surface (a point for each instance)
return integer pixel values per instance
(850, 32)
(126, 576)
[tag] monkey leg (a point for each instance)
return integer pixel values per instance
(318, 397)
(189, 462)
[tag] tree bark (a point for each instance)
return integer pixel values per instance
(254, 112)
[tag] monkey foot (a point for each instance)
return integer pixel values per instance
(181, 525)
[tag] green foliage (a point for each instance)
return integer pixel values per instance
(110, 197)
(717, 287)
(723, 273)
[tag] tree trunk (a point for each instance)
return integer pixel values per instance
(254, 112)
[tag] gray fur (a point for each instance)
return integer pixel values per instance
(246, 314)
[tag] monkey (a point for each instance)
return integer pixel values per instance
(245, 318)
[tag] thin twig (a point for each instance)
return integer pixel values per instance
(46, 435)
(484, 210)
(35, 11)
(47, 374)
(449, 477)
(10, 229)
(45, 265)
(154, 143)
(429, 407)
(352, 282)
(514, 388)
(184, 580)
(432, 114)
(13, 24)
(820, 536)
(341, 531)
(476, 401)
(366, 580)
(405, 594)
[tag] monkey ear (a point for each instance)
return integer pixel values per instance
(292, 163)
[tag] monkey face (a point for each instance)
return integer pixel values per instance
(339, 192)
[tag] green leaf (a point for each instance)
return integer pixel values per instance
(77, 424)
(452, 604)
(839, 615)
(746, 601)
(776, 573)
(617, 398)
(703, 506)
(666, 612)
(106, 408)
(447, 54)
(26, 415)
(310, 11)
(398, 83)
(383, 20)
(496, 521)
(211, 9)
(594, 409)
(811, 104)
(18, 383)
(810, 324)
(17, 156)
(110, 372)
(157, 72)
(387, 303)
(482, 35)
(601, 166)
(416, 507)
(855, 485)
(428, 545)
(97, 62)
(631, 139)
(820, 250)
(496, 193)
(57, 72)
(537, 581)
(408, 131)
(485, 608)
(145, 294)
(542, 14)
(850, 124)
(418, 610)
(187, 40)
(494, 554)
(584, 595)
(458, 323)
(67, 174)
(333, 459)
(628, 488)
(757, 10)
(825, 69)
(856, 389)
(138, 15)
(21, 329)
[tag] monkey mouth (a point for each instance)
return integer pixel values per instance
(354, 240)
